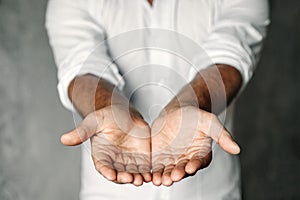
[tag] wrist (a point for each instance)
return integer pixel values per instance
(176, 104)
(118, 100)
(186, 97)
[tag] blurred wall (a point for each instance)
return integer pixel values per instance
(268, 112)
(33, 164)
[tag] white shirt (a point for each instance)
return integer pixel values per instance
(150, 53)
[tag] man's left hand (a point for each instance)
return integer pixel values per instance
(181, 143)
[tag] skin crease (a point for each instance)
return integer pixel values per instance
(181, 145)
(181, 136)
(120, 138)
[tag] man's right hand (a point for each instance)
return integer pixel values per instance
(120, 141)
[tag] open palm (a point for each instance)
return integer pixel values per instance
(120, 144)
(181, 143)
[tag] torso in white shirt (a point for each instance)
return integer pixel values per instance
(154, 49)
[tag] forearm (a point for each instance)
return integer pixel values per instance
(212, 89)
(89, 93)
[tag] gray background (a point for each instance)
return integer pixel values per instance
(34, 165)
(268, 118)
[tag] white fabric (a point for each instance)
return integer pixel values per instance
(150, 53)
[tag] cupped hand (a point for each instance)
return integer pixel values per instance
(181, 143)
(120, 143)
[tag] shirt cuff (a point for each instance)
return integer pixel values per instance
(220, 52)
(112, 76)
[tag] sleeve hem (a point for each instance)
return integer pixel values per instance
(65, 81)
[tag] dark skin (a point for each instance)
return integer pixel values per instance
(124, 148)
(201, 100)
(120, 138)
(150, 2)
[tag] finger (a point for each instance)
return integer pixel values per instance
(221, 136)
(179, 171)
(138, 180)
(226, 142)
(124, 177)
(166, 177)
(145, 171)
(106, 170)
(157, 174)
(193, 165)
(147, 177)
(75, 137)
(197, 162)
(84, 131)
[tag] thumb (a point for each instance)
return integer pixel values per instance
(83, 132)
(219, 133)
(226, 142)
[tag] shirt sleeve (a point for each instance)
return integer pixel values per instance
(78, 44)
(237, 33)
